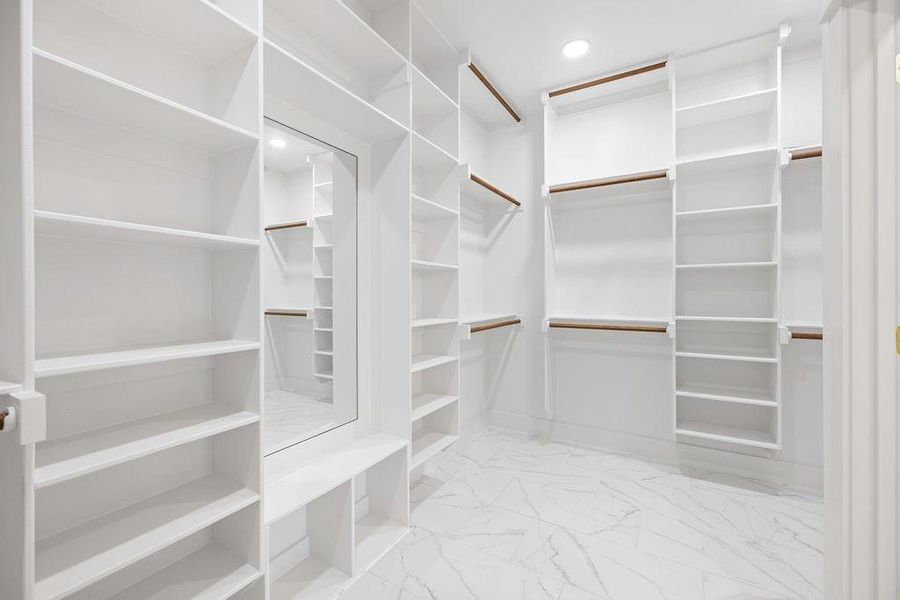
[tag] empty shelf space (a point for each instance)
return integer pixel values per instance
(211, 573)
(426, 265)
(428, 155)
(82, 363)
(727, 108)
(726, 434)
(423, 362)
(291, 80)
(736, 211)
(288, 225)
(312, 579)
(480, 189)
(426, 403)
(426, 444)
(287, 312)
(60, 224)
(77, 557)
(79, 90)
(375, 535)
(61, 460)
(723, 395)
(434, 322)
(335, 25)
(426, 210)
(727, 319)
(730, 357)
(289, 490)
(735, 265)
(428, 100)
(721, 161)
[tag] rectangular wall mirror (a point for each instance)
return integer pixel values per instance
(310, 287)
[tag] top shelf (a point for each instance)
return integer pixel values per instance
(76, 89)
(429, 46)
(728, 108)
(344, 32)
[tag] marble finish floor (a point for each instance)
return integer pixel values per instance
(509, 517)
(291, 417)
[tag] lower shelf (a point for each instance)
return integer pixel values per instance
(424, 404)
(312, 579)
(375, 535)
(211, 573)
(729, 435)
(427, 444)
(8, 387)
(82, 555)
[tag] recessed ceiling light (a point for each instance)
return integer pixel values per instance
(575, 48)
(278, 143)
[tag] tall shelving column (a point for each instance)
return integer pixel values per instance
(147, 299)
(323, 268)
(434, 239)
(728, 241)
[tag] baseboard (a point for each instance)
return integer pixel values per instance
(797, 475)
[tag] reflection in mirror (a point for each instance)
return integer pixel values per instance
(309, 256)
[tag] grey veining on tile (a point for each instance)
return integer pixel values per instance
(508, 516)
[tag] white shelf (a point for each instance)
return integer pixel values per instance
(78, 455)
(73, 88)
(727, 108)
(291, 80)
(325, 376)
(427, 155)
(424, 404)
(728, 357)
(427, 265)
(293, 489)
(336, 26)
(428, 100)
(324, 353)
(82, 555)
(717, 163)
(60, 224)
(727, 319)
(82, 363)
(427, 444)
(430, 48)
(488, 318)
(423, 362)
(198, 27)
(375, 535)
(723, 395)
(312, 579)
(426, 210)
(723, 433)
(435, 322)
(735, 265)
(8, 387)
(737, 211)
(211, 573)
(324, 329)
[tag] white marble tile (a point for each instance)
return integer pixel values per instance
(434, 567)
(524, 444)
(611, 464)
(570, 592)
(370, 587)
(290, 417)
(604, 568)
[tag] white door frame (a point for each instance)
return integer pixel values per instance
(860, 220)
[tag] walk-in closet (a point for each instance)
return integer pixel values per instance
(424, 300)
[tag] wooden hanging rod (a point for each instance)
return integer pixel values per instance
(609, 79)
(497, 325)
(618, 180)
(607, 327)
(291, 225)
(490, 87)
(493, 188)
(286, 312)
(797, 335)
(808, 153)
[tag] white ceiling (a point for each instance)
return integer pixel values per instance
(517, 42)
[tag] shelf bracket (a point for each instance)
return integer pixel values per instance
(784, 335)
(26, 415)
(784, 157)
(670, 330)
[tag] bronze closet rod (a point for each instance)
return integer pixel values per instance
(494, 92)
(493, 188)
(609, 79)
(806, 336)
(618, 180)
(497, 325)
(291, 225)
(275, 312)
(808, 153)
(607, 327)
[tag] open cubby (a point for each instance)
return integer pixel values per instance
(727, 237)
(207, 62)
(381, 499)
(311, 550)
(718, 339)
(736, 181)
(727, 292)
(738, 382)
(728, 423)
(433, 389)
